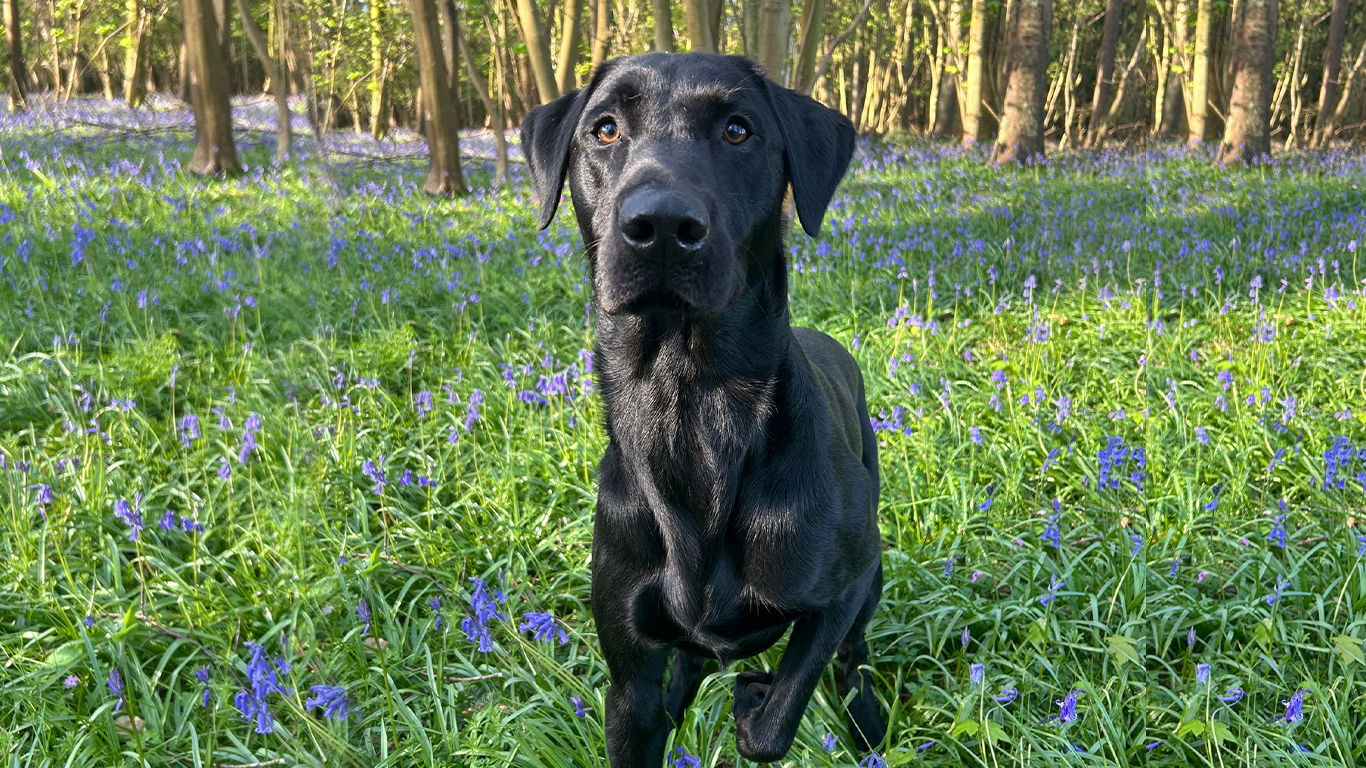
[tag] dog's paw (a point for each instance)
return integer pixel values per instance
(751, 692)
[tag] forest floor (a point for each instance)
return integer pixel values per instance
(1121, 403)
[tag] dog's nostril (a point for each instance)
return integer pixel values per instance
(691, 233)
(639, 231)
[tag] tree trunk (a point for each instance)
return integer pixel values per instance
(1247, 134)
(379, 102)
(497, 118)
(1021, 134)
(972, 100)
(443, 137)
(775, 20)
(283, 134)
(1332, 69)
(947, 94)
(1105, 72)
(749, 27)
(1199, 105)
(538, 49)
(812, 30)
(698, 13)
(1173, 98)
(602, 32)
(214, 150)
(664, 26)
(18, 77)
(134, 61)
(450, 50)
(569, 46)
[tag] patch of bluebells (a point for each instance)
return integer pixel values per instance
(543, 627)
(1067, 712)
(332, 699)
(484, 604)
(131, 514)
(262, 680)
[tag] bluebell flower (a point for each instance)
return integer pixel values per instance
(543, 627)
(1277, 533)
(873, 760)
(828, 743)
(1006, 696)
(681, 759)
(168, 520)
(976, 672)
(189, 429)
(88, 621)
(1361, 550)
(262, 680)
(71, 681)
(1275, 595)
(1051, 534)
(1054, 585)
(485, 605)
(1202, 674)
(948, 565)
(130, 514)
(363, 613)
(435, 605)
(332, 699)
(1232, 696)
(966, 636)
(1068, 711)
(115, 683)
(1294, 709)
(202, 673)
(224, 471)
(1190, 638)
(579, 710)
(1138, 544)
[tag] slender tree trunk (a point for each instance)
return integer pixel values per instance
(214, 150)
(1199, 106)
(18, 76)
(602, 32)
(450, 49)
(538, 49)
(1068, 86)
(1332, 68)
(134, 61)
(775, 20)
(749, 27)
(972, 101)
(664, 26)
(1105, 72)
(569, 45)
(812, 30)
(379, 71)
(699, 13)
(497, 118)
(1247, 134)
(1349, 85)
(1021, 135)
(284, 137)
(443, 136)
(1173, 97)
(948, 72)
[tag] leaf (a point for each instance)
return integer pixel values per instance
(967, 727)
(1192, 728)
(129, 624)
(1038, 631)
(64, 657)
(1221, 732)
(996, 733)
(1123, 648)
(1349, 650)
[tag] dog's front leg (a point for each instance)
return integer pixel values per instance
(768, 708)
(636, 725)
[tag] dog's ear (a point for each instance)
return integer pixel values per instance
(818, 144)
(547, 136)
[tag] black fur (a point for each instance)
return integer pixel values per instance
(738, 493)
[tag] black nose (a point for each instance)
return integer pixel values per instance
(651, 217)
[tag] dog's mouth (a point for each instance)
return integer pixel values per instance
(657, 300)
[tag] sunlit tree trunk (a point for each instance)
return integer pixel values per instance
(18, 77)
(283, 132)
(569, 45)
(134, 58)
(443, 136)
(1173, 103)
(812, 31)
(1105, 72)
(699, 14)
(602, 31)
(972, 99)
(775, 22)
(1200, 70)
(664, 26)
(497, 118)
(379, 92)
(1332, 70)
(949, 74)
(1247, 134)
(214, 150)
(538, 49)
(1021, 134)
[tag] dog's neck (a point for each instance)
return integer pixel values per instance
(687, 397)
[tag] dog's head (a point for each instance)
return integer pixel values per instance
(678, 165)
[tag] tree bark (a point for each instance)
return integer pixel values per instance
(775, 20)
(664, 26)
(497, 118)
(284, 137)
(134, 60)
(1199, 105)
(972, 100)
(698, 13)
(443, 136)
(1021, 135)
(569, 46)
(1105, 72)
(214, 150)
(18, 76)
(1332, 70)
(1173, 98)
(1247, 134)
(379, 101)
(538, 49)
(602, 32)
(948, 74)
(812, 30)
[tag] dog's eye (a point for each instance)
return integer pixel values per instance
(736, 133)
(607, 132)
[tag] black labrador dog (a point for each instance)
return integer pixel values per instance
(738, 493)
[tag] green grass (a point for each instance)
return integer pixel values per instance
(265, 291)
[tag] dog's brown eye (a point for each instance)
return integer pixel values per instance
(736, 133)
(608, 132)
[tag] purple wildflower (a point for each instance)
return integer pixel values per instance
(332, 699)
(543, 627)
